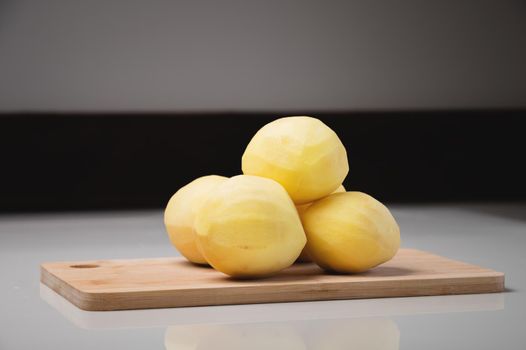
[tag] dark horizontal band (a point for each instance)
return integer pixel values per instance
(129, 160)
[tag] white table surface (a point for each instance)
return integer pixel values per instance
(34, 317)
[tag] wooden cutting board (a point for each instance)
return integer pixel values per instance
(173, 282)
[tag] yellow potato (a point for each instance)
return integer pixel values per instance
(249, 227)
(350, 232)
(301, 153)
(304, 256)
(180, 212)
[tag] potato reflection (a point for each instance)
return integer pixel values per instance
(245, 336)
(359, 333)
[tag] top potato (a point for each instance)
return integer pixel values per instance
(301, 153)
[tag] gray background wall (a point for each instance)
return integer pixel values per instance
(265, 55)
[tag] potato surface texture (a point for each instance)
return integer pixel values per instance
(249, 227)
(350, 232)
(304, 256)
(301, 153)
(179, 215)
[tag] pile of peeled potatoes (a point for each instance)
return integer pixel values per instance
(289, 205)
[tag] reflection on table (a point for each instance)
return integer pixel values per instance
(279, 312)
(356, 333)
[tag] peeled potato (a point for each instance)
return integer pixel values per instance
(301, 153)
(249, 227)
(304, 256)
(180, 214)
(350, 232)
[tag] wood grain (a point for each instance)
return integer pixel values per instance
(173, 282)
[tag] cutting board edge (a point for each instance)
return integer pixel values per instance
(491, 282)
(66, 290)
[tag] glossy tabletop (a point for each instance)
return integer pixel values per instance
(32, 316)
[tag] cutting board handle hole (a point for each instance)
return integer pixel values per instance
(85, 266)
